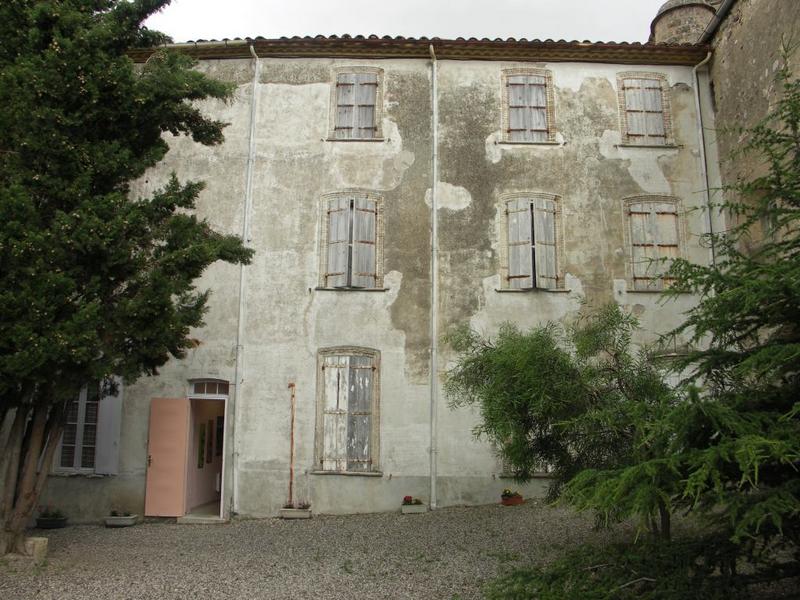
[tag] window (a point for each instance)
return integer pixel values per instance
(528, 114)
(347, 413)
(645, 110)
(356, 102)
(531, 227)
(213, 388)
(90, 442)
(654, 240)
(351, 256)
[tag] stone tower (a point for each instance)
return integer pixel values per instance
(681, 21)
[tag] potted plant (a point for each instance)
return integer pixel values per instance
(299, 510)
(412, 506)
(50, 518)
(120, 519)
(511, 498)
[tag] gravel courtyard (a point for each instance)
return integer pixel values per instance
(444, 554)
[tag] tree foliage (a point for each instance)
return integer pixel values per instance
(574, 400)
(93, 282)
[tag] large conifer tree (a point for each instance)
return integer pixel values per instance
(93, 282)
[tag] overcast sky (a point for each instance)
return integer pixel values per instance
(595, 20)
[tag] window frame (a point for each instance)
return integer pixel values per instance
(205, 396)
(319, 439)
(666, 110)
(79, 436)
(549, 109)
(378, 110)
(558, 231)
(323, 237)
(630, 273)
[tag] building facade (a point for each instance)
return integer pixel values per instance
(393, 189)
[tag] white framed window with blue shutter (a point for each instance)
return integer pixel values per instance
(351, 241)
(90, 442)
(356, 101)
(532, 224)
(528, 106)
(347, 438)
(644, 109)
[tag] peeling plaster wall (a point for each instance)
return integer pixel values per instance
(287, 320)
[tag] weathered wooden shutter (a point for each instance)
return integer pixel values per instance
(339, 219)
(359, 418)
(336, 375)
(366, 93)
(364, 243)
(344, 126)
(642, 245)
(109, 420)
(69, 439)
(520, 251)
(544, 236)
(527, 108)
(644, 111)
(653, 111)
(665, 220)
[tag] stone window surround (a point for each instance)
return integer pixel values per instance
(682, 234)
(669, 140)
(320, 405)
(323, 240)
(502, 222)
(551, 112)
(335, 72)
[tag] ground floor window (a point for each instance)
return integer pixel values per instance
(347, 413)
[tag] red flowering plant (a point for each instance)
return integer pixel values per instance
(409, 500)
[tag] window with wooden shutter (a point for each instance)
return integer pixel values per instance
(654, 239)
(347, 424)
(528, 112)
(356, 104)
(645, 114)
(352, 238)
(532, 243)
(90, 442)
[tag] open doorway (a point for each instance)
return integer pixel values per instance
(186, 454)
(206, 449)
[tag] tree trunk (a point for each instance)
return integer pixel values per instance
(24, 480)
(665, 528)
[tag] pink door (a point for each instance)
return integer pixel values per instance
(167, 453)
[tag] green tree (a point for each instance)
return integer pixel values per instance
(576, 400)
(93, 282)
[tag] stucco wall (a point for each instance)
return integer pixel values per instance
(287, 320)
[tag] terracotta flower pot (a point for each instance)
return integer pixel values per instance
(511, 500)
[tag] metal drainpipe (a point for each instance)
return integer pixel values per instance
(248, 204)
(716, 20)
(703, 159)
(434, 332)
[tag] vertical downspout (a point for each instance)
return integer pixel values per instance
(248, 204)
(703, 158)
(434, 366)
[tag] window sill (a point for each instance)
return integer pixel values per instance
(667, 146)
(375, 139)
(630, 291)
(86, 474)
(349, 473)
(531, 290)
(533, 476)
(521, 143)
(327, 289)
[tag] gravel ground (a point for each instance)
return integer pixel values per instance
(444, 554)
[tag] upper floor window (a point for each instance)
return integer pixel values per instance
(356, 103)
(654, 232)
(528, 106)
(645, 114)
(352, 239)
(532, 224)
(347, 410)
(90, 442)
